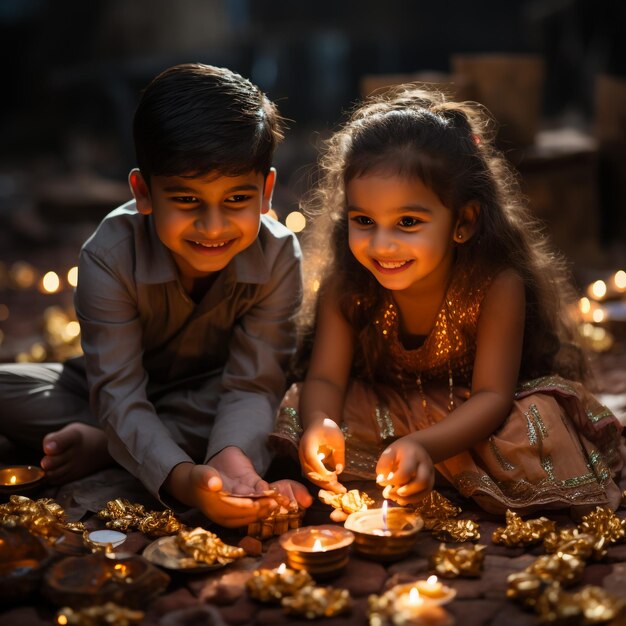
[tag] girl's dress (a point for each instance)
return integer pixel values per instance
(559, 447)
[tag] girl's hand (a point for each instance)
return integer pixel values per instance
(322, 454)
(406, 471)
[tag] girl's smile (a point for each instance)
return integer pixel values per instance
(400, 231)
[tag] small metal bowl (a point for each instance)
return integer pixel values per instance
(382, 541)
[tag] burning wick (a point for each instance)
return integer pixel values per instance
(13, 479)
(317, 546)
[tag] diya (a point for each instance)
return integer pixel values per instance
(384, 534)
(322, 551)
(20, 479)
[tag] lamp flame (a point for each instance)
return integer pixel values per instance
(317, 546)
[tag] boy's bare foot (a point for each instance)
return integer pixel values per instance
(73, 452)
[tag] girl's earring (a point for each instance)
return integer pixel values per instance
(459, 236)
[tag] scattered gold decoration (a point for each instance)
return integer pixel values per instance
(43, 517)
(437, 507)
(277, 523)
(124, 516)
(349, 502)
(525, 587)
(590, 605)
(313, 602)
(572, 541)
(456, 530)
(101, 615)
(604, 523)
(466, 560)
(518, 533)
(560, 567)
(206, 547)
(271, 585)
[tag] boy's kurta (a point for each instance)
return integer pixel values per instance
(171, 380)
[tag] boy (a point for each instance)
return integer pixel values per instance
(186, 300)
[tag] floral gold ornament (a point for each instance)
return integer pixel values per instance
(590, 605)
(561, 567)
(437, 507)
(604, 523)
(272, 585)
(206, 547)
(519, 533)
(525, 587)
(572, 541)
(464, 561)
(314, 602)
(456, 530)
(43, 517)
(122, 515)
(108, 613)
(349, 502)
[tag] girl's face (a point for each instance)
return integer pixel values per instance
(400, 231)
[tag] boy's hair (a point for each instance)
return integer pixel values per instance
(415, 132)
(195, 119)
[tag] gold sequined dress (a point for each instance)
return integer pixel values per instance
(559, 447)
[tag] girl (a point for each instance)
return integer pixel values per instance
(440, 334)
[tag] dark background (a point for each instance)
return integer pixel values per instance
(72, 72)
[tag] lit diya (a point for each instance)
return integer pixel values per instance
(20, 479)
(384, 534)
(433, 590)
(322, 551)
(403, 605)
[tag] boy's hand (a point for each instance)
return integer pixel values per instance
(200, 486)
(237, 472)
(406, 471)
(322, 446)
(291, 494)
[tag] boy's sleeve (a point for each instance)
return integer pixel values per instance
(262, 343)
(111, 336)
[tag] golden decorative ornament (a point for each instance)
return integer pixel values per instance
(591, 605)
(466, 560)
(206, 547)
(102, 615)
(456, 530)
(313, 602)
(525, 587)
(604, 523)
(572, 541)
(272, 585)
(436, 506)
(349, 502)
(43, 517)
(124, 516)
(566, 569)
(519, 533)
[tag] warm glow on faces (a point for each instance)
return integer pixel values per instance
(205, 222)
(400, 231)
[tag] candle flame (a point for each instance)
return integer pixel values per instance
(385, 514)
(431, 580)
(317, 546)
(281, 568)
(414, 596)
(620, 279)
(13, 479)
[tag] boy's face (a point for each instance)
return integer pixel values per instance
(204, 221)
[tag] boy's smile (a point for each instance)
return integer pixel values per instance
(204, 221)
